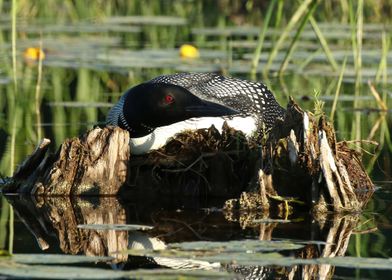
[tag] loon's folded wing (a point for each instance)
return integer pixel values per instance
(250, 98)
(116, 114)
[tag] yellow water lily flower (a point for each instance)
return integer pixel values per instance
(34, 54)
(189, 51)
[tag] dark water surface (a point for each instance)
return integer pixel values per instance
(56, 225)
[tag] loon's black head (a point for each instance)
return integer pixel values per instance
(152, 105)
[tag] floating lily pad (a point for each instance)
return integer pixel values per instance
(245, 252)
(14, 269)
(176, 274)
(56, 259)
(237, 246)
(268, 259)
(354, 262)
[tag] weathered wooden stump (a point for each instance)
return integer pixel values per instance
(96, 163)
(301, 164)
(305, 165)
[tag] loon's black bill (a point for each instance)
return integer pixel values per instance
(210, 109)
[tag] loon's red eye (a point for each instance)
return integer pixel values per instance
(169, 99)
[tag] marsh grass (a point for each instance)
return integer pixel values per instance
(382, 71)
(285, 35)
(4, 217)
(304, 21)
(14, 75)
(96, 52)
(37, 95)
(323, 43)
(296, 17)
(261, 37)
(103, 59)
(356, 35)
(337, 92)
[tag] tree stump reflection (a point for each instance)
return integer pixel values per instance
(66, 219)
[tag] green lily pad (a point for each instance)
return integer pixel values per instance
(57, 259)
(237, 246)
(14, 269)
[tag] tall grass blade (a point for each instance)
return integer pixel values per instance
(337, 92)
(309, 59)
(4, 215)
(279, 13)
(387, 138)
(305, 19)
(260, 42)
(381, 104)
(323, 43)
(383, 65)
(293, 21)
(13, 133)
(13, 35)
(14, 72)
(376, 127)
(356, 36)
(11, 232)
(37, 95)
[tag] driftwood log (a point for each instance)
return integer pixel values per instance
(300, 163)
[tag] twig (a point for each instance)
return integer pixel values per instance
(374, 229)
(187, 168)
(372, 142)
(380, 102)
(376, 126)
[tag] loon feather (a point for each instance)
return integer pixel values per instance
(116, 113)
(255, 103)
(250, 98)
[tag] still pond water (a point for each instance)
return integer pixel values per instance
(84, 73)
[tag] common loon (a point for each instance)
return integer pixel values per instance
(156, 110)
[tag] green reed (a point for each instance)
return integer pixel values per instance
(90, 86)
(356, 37)
(37, 96)
(337, 92)
(259, 47)
(339, 10)
(382, 71)
(60, 92)
(14, 74)
(295, 18)
(323, 43)
(279, 13)
(297, 35)
(4, 217)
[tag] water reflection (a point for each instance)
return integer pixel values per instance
(171, 222)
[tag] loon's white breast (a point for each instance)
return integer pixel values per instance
(160, 135)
